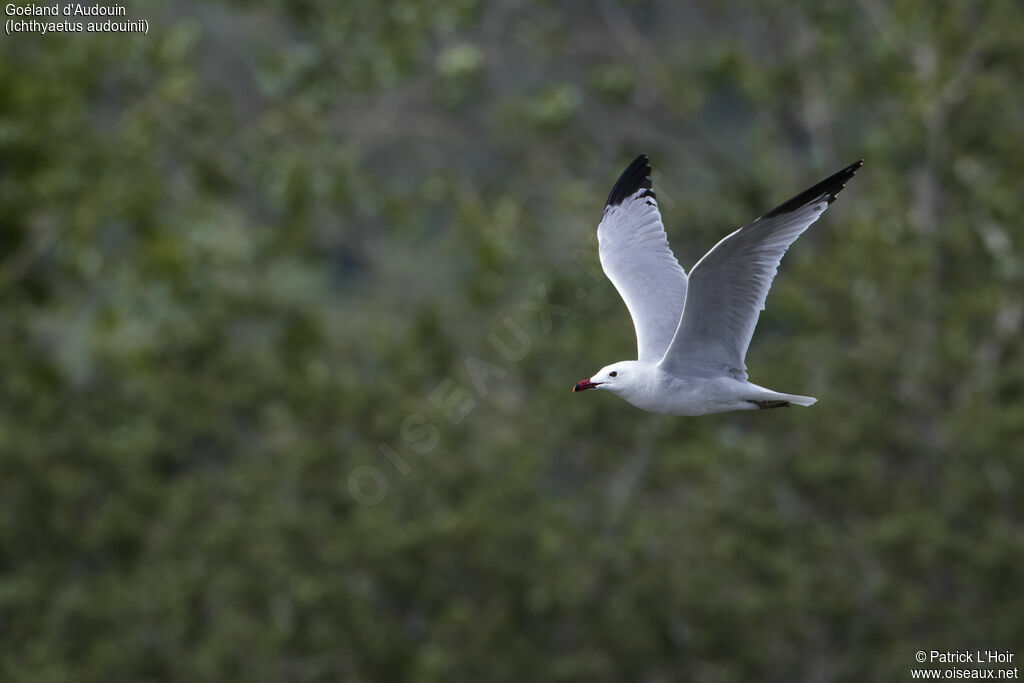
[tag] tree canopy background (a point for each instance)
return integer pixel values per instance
(292, 295)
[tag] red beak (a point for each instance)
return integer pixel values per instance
(585, 384)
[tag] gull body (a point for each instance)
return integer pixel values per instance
(646, 385)
(693, 331)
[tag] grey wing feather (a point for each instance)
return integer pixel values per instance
(729, 285)
(636, 257)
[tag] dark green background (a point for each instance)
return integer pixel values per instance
(239, 254)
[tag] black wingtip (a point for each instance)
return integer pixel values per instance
(636, 176)
(829, 188)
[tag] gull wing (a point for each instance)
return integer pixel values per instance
(729, 284)
(637, 259)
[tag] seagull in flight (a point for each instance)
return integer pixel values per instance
(692, 332)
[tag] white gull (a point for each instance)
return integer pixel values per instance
(692, 333)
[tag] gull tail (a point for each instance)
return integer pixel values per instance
(774, 399)
(798, 400)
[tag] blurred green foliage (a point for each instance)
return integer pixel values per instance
(239, 255)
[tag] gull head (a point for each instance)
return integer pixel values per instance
(616, 378)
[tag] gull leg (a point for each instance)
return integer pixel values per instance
(764, 405)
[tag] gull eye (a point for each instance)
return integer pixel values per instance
(613, 374)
